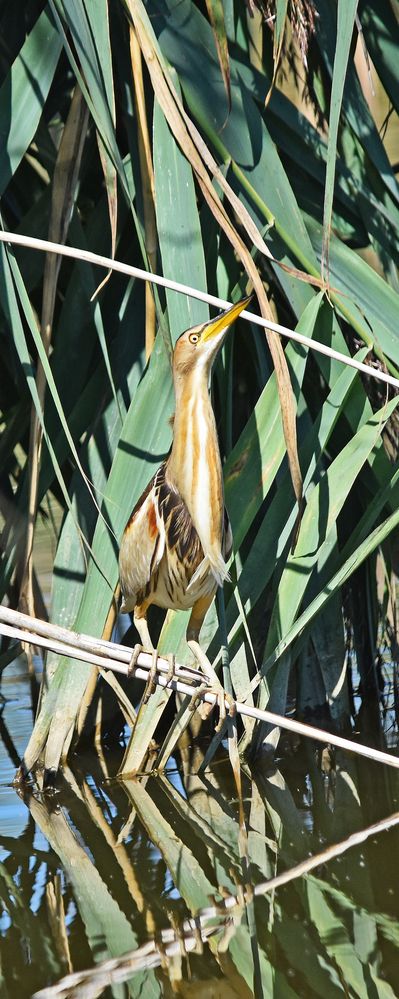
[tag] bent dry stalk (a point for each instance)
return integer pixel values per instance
(106, 655)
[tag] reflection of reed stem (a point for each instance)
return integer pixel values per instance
(110, 656)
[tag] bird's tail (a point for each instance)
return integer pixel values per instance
(212, 569)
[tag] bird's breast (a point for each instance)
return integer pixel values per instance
(195, 469)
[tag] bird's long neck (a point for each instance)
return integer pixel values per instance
(194, 465)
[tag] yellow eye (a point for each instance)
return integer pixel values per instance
(193, 338)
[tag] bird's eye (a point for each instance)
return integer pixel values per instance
(193, 338)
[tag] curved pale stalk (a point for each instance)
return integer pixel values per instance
(184, 289)
(107, 655)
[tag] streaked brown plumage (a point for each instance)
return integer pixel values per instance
(177, 540)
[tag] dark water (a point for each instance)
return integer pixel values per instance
(100, 867)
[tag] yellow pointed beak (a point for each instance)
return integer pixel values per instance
(226, 318)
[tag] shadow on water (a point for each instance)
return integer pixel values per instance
(105, 868)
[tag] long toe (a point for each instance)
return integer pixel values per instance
(134, 658)
(205, 708)
(197, 698)
(171, 660)
(151, 682)
(221, 702)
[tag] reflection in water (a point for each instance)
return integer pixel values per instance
(102, 867)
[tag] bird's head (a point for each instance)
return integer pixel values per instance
(198, 347)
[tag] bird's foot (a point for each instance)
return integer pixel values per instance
(221, 699)
(150, 684)
(151, 679)
(215, 686)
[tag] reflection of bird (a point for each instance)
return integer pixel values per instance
(176, 542)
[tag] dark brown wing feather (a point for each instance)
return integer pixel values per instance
(181, 534)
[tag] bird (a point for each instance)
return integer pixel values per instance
(178, 539)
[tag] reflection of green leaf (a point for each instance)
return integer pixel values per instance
(17, 906)
(109, 932)
(337, 942)
(193, 884)
(184, 841)
(272, 978)
(188, 876)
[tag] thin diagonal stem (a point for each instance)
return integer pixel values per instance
(108, 656)
(184, 289)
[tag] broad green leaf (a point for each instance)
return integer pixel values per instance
(14, 287)
(376, 302)
(179, 229)
(323, 507)
(275, 530)
(250, 147)
(141, 447)
(98, 18)
(95, 75)
(316, 546)
(355, 106)
(8, 296)
(350, 562)
(381, 33)
(24, 93)
(314, 542)
(70, 564)
(345, 24)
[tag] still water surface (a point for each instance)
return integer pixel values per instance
(99, 868)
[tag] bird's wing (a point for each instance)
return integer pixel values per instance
(141, 550)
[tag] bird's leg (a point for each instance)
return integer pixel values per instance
(194, 627)
(146, 645)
